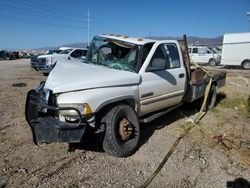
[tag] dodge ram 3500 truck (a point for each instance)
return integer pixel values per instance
(124, 81)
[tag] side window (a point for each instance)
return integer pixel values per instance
(189, 50)
(77, 54)
(195, 50)
(202, 51)
(172, 55)
(208, 51)
(167, 53)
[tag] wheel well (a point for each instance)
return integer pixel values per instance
(211, 59)
(108, 106)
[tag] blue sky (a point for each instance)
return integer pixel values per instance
(32, 23)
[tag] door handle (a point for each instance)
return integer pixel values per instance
(181, 75)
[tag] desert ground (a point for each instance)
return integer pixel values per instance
(200, 159)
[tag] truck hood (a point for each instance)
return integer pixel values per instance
(72, 75)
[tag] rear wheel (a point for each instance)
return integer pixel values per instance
(246, 64)
(122, 131)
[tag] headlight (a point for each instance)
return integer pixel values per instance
(84, 109)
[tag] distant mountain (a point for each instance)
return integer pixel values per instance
(190, 40)
(194, 40)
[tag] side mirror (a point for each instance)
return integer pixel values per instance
(69, 58)
(158, 64)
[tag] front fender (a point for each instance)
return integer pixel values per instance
(100, 97)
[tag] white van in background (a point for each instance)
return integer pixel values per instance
(236, 50)
(204, 55)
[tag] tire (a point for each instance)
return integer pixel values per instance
(246, 64)
(113, 143)
(212, 97)
(212, 62)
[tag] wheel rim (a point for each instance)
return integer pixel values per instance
(125, 129)
(247, 65)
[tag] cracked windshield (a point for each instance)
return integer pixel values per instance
(113, 54)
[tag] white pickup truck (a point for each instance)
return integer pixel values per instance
(123, 82)
(45, 63)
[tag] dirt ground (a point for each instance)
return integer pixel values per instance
(198, 161)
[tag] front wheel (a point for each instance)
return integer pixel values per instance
(122, 131)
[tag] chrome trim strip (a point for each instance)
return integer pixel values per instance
(162, 97)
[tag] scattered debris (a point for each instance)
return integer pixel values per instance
(189, 120)
(245, 144)
(21, 170)
(203, 160)
(19, 84)
(221, 139)
(238, 79)
(236, 108)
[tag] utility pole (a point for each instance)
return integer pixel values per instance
(88, 25)
(248, 14)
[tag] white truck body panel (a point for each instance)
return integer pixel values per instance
(236, 48)
(81, 76)
(99, 97)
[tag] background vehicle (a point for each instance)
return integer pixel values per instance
(123, 81)
(47, 62)
(34, 61)
(5, 55)
(204, 55)
(236, 50)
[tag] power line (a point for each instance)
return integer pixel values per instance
(38, 13)
(34, 22)
(38, 6)
(46, 17)
(45, 6)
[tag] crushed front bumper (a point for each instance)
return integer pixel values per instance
(46, 127)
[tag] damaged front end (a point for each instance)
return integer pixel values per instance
(42, 114)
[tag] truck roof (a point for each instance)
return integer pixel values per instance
(236, 37)
(138, 41)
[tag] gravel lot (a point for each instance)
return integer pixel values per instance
(198, 161)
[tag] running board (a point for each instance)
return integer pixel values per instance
(157, 115)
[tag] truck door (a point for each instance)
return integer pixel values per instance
(162, 88)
